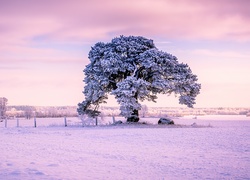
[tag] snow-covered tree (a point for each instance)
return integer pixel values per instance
(133, 70)
(3, 107)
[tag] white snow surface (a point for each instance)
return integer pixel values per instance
(52, 151)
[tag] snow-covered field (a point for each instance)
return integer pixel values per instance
(52, 151)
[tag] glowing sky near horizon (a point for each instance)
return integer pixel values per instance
(44, 45)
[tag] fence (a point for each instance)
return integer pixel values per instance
(64, 121)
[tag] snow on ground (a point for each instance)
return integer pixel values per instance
(52, 151)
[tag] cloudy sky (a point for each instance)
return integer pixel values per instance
(44, 45)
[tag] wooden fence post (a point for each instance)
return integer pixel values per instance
(96, 122)
(113, 119)
(17, 122)
(34, 121)
(5, 122)
(65, 121)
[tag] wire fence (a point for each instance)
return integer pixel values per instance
(63, 121)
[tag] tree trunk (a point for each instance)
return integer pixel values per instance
(134, 117)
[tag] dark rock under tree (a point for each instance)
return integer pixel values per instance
(165, 121)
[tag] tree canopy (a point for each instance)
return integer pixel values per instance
(133, 69)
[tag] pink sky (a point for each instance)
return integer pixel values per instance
(44, 45)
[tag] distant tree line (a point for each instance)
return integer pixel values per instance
(41, 111)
